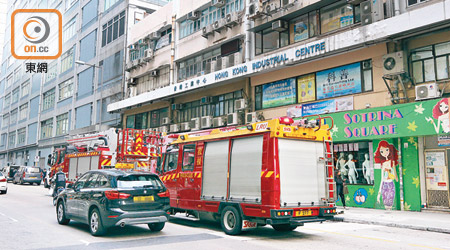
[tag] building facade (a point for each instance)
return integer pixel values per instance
(379, 68)
(41, 110)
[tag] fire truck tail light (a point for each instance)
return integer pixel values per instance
(286, 120)
(164, 194)
(114, 195)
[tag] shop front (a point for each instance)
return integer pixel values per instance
(378, 152)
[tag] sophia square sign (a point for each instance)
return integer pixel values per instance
(411, 119)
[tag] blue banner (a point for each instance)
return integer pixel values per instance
(344, 80)
(279, 93)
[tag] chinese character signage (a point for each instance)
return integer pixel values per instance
(344, 80)
(279, 93)
(328, 106)
(306, 87)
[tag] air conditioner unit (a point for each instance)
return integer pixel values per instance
(427, 91)
(207, 30)
(250, 117)
(163, 129)
(195, 123)
(177, 106)
(225, 62)
(280, 25)
(185, 126)
(232, 19)
(255, 10)
(136, 62)
(366, 12)
(287, 3)
(165, 120)
(367, 64)
(237, 58)
(394, 63)
(148, 55)
(206, 121)
(193, 15)
(175, 128)
(132, 91)
(219, 121)
(234, 118)
(216, 65)
(155, 35)
(272, 7)
(218, 3)
(240, 104)
(154, 73)
(219, 25)
(205, 100)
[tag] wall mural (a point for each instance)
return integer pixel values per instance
(386, 159)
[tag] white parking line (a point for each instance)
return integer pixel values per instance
(85, 242)
(2, 214)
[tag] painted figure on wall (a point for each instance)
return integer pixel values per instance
(352, 173)
(367, 169)
(387, 156)
(441, 114)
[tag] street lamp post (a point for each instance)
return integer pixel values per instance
(95, 89)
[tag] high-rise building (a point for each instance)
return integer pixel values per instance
(40, 111)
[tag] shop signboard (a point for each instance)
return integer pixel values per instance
(430, 117)
(343, 80)
(279, 93)
(436, 170)
(328, 106)
(444, 140)
(306, 87)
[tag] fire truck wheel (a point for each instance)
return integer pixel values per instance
(284, 227)
(231, 221)
(61, 214)
(156, 227)
(95, 223)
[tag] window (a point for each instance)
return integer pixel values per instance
(7, 101)
(113, 29)
(336, 16)
(412, 2)
(303, 27)
(17, 74)
(199, 64)
(431, 63)
(67, 60)
(48, 100)
(88, 46)
(23, 112)
(13, 116)
(15, 95)
(188, 157)
(70, 3)
(171, 161)
(25, 89)
(109, 3)
(102, 181)
(157, 116)
(9, 80)
(225, 104)
(89, 12)
(65, 89)
(5, 120)
(165, 40)
(21, 135)
(52, 70)
(355, 161)
(46, 128)
(70, 29)
(268, 40)
(12, 139)
(62, 124)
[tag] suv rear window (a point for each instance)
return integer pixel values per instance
(33, 170)
(139, 181)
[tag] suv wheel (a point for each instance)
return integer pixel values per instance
(95, 223)
(61, 214)
(231, 221)
(156, 227)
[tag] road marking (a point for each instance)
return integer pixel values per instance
(85, 242)
(415, 245)
(9, 217)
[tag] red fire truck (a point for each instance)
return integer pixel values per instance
(268, 173)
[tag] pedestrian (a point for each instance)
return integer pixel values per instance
(340, 184)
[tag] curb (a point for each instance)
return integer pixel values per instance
(387, 224)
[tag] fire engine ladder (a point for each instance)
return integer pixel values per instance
(330, 184)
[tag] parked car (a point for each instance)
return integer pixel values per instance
(10, 171)
(107, 198)
(3, 184)
(28, 174)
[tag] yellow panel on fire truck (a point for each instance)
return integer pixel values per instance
(83, 154)
(124, 165)
(278, 128)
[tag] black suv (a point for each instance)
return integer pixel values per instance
(107, 198)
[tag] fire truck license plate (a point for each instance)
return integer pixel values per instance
(303, 213)
(143, 199)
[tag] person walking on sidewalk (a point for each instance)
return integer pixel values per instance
(340, 184)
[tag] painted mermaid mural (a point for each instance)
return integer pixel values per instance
(441, 114)
(386, 155)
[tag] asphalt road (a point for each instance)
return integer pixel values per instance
(28, 221)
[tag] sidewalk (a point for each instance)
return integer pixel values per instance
(426, 220)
